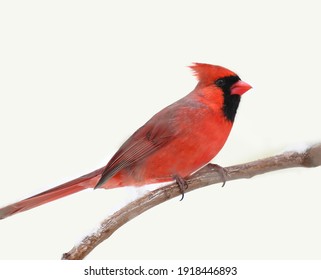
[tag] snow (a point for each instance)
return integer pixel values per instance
(298, 147)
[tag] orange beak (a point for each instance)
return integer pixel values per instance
(240, 87)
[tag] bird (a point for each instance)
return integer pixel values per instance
(173, 144)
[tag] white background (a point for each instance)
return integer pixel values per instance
(78, 77)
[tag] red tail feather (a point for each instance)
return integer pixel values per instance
(76, 185)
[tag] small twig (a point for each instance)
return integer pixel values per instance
(204, 177)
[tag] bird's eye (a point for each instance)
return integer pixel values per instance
(220, 83)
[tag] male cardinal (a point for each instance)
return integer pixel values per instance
(174, 143)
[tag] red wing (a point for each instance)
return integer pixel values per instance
(142, 143)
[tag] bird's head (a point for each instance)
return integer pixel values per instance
(221, 77)
(217, 79)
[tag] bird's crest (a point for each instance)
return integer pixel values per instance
(207, 73)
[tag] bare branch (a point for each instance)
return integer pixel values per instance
(204, 177)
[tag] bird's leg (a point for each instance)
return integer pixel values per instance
(182, 184)
(221, 171)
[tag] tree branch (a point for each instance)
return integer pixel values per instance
(204, 177)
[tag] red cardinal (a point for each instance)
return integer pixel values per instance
(174, 143)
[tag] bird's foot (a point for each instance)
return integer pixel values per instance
(182, 184)
(221, 171)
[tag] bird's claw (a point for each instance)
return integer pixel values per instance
(222, 172)
(182, 184)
